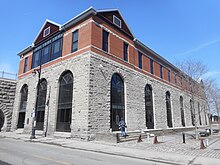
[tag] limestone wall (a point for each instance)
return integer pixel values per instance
(7, 95)
(101, 73)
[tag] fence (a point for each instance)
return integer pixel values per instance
(8, 75)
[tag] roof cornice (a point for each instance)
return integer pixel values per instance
(107, 10)
(79, 17)
(138, 42)
(25, 50)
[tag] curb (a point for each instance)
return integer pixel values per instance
(124, 155)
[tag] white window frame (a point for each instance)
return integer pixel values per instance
(114, 17)
(44, 34)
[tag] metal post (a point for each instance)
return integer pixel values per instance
(207, 142)
(148, 137)
(35, 110)
(163, 138)
(184, 138)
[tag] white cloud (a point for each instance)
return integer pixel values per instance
(200, 47)
(211, 74)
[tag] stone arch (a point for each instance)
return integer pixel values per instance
(22, 106)
(7, 115)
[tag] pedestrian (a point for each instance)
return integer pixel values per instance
(122, 126)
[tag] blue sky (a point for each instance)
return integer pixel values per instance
(175, 29)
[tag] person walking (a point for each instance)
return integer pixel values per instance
(122, 126)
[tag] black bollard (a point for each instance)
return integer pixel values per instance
(184, 138)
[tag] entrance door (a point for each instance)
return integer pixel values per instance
(117, 116)
(21, 119)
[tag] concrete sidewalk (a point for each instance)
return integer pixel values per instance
(129, 149)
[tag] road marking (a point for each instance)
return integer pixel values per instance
(57, 161)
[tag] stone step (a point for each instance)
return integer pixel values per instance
(132, 137)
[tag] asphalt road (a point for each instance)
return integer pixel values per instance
(18, 152)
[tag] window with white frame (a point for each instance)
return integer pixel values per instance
(75, 41)
(46, 32)
(116, 21)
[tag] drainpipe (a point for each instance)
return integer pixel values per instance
(48, 107)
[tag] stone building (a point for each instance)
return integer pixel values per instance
(92, 74)
(7, 95)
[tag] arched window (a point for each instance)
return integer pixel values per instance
(182, 112)
(149, 107)
(193, 117)
(64, 112)
(23, 105)
(199, 111)
(169, 113)
(42, 93)
(117, 112)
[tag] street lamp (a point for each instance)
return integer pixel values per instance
(35, 71)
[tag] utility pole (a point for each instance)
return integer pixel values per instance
(36, 71)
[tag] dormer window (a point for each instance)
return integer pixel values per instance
(46, 32)
(116, 21)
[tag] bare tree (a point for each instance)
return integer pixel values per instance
(213, 97)
(193, 68)
(192, 72)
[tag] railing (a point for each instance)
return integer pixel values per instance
(8, 75)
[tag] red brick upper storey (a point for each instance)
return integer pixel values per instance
(90, 26)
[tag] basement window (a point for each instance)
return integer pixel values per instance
(46, 32)
(116, 21)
